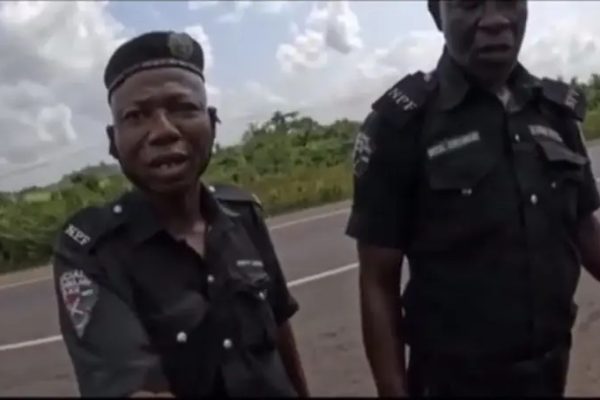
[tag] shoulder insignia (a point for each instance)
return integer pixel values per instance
(79, 294)
(407, 96)
(86, 226)
(566, 96)
(232, 193)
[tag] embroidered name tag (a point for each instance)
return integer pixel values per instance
(453, 144)
(544, 131)
(249, 263)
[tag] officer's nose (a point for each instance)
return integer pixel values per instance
(493, 20)
(162, 130)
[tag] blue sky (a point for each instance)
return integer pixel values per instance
(327, 59)
(254, 39)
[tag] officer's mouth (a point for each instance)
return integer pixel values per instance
(169, 165)
(494, 52)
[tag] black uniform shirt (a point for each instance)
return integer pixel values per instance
(483, 193)
(140, 310)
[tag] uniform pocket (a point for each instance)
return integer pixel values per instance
(458, 203)
(565, 173)
(254, 315)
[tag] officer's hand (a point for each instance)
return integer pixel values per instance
(142, 393)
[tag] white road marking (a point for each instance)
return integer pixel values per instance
(294, 283)
(308, 219)
(271, 228)
(31, 343)
(322, 275)
(23, 283)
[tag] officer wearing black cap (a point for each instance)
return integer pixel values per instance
(175, 287)
(477, 173)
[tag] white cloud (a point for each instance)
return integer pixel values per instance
(274, 6)
(235, 16)
(52, 101)
(570, 46)
(200, 5)
(198, 33)
(51, 94)
(339, 23)
(331, 25)
(305, 53)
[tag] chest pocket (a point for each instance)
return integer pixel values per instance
(253, 318)
(564, 170)
(455, 201)
(174, 324)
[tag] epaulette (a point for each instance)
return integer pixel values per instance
(402, 101)
(84, 228)
(567, 97)
(234, 194)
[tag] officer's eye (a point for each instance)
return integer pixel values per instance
(185, 108)
(468, 4)
(132, 115)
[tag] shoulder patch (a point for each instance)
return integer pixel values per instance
(407, 96)
(86, 226)
(232, 193)
(566, 96)
(79, 295)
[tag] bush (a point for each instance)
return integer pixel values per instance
(288, 162)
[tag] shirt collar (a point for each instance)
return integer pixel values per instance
(144, 223)
(454, 85)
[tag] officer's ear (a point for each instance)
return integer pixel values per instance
(112, 147)
(214, 120)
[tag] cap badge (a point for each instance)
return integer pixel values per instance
(181, 45)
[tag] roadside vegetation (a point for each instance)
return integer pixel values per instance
(289, 162)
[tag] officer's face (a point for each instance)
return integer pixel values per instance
(484, 36)
(162, 131)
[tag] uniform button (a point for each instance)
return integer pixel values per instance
(553, 185)
(467, 192)
(181, 337)
(117, 209)
(210, 279)
(533, 199)
(211, 189)
(517, 138)
(262, 295)
(227, 344)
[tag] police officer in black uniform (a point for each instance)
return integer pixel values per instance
(477, 173)
(175, 287)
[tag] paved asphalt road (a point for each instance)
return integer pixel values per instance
(309, 244)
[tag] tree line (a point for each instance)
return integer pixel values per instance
(289, 161)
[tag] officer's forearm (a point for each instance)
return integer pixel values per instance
(589, 245)
(383, 341)
(291, 358)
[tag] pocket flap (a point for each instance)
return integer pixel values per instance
(557, 152)
(460, 170)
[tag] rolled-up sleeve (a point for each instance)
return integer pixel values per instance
(384, 177)
(107, 344)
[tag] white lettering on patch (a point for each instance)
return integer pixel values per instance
(453, 144)
(249, 263)
(77, 235)
(544, 131)
(79, 295)
(401, 99)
